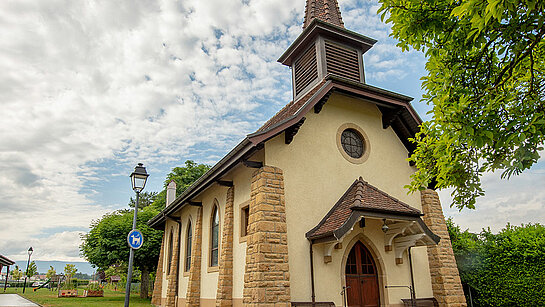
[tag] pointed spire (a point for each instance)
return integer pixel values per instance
(326, 10)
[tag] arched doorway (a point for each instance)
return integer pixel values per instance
(361, 277)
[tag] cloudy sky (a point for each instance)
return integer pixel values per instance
(90, 88)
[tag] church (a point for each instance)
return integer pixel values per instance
(310, 209)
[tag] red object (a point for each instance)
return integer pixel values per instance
(361, 277)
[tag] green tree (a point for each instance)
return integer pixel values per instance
(106, 243)
(32, 269)
(184, 177)
(16, 273)
(486, 82)
(51, 272)
(69, 271)
(504, 269)
(145, 199)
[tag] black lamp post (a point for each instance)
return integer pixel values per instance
(30, 250)
(138, 180)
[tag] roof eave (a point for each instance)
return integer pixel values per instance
(213, 174)
(317, 27)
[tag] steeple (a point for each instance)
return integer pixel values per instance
(325, 49)
(326, 10)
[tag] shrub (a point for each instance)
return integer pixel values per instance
(504, 269)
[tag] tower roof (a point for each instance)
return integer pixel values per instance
(326, 10)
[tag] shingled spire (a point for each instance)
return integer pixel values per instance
(326, 10)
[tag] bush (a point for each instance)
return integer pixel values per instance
(504, 269)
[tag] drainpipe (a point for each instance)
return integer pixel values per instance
(413, 291)
(312, 295)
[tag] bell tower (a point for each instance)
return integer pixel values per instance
(325, 49)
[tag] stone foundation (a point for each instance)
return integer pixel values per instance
(445, 279)
(193, 295)
(267, 279)
(224, 297)
(158, 285)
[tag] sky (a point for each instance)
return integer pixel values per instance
(90, 88)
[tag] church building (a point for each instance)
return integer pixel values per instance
(311, 209)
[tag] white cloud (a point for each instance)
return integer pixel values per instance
(518, 200)
(88, 82)
(89, 88)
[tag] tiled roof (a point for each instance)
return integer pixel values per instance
(290, 109)
(360, 196)
(326, 10)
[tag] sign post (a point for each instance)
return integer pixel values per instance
(135, 239)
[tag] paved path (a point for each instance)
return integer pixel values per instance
(15, 300)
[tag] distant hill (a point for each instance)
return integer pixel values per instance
(43, 266)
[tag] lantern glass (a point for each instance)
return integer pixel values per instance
(139, 178)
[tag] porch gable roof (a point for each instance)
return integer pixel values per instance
(361, 199)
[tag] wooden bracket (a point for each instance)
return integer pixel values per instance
(389, 116)
(318, 107)
(252, 164)
(195, 203)
(292, 131)
(225, 183)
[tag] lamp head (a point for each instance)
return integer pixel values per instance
(30, 250)
(384, 226)
(139, 178)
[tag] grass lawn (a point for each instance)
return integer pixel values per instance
(48, 298)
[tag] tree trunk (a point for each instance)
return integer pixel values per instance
(144, 285)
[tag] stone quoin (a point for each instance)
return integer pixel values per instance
(311, 209)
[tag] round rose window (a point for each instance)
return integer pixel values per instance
(352, 143)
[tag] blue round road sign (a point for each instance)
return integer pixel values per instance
(135, 239)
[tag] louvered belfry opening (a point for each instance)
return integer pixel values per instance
(342, 61)
(305, 69)
(325, 49)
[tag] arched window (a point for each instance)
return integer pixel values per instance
(215, 227)
(188, 247)
(170, 250)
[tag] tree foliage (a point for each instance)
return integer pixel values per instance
(106, 242)
(184, 177)
(504, 269)
(486, 82)
(32, 269)
(70, 270)
(105, 246)
(16, 273)
(51, 272)
(145, 199)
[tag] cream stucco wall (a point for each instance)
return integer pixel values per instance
(241, 177)
(316, 175)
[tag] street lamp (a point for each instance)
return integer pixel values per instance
(30, 250)
(138, 180)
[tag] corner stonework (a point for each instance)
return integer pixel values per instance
(193, 296)
(445, 279)
(224, 296)
(172, 279)
(267, 277)
(158, 285)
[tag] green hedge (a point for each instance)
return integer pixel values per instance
(504, 269)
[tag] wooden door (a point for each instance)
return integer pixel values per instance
(361, 278)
